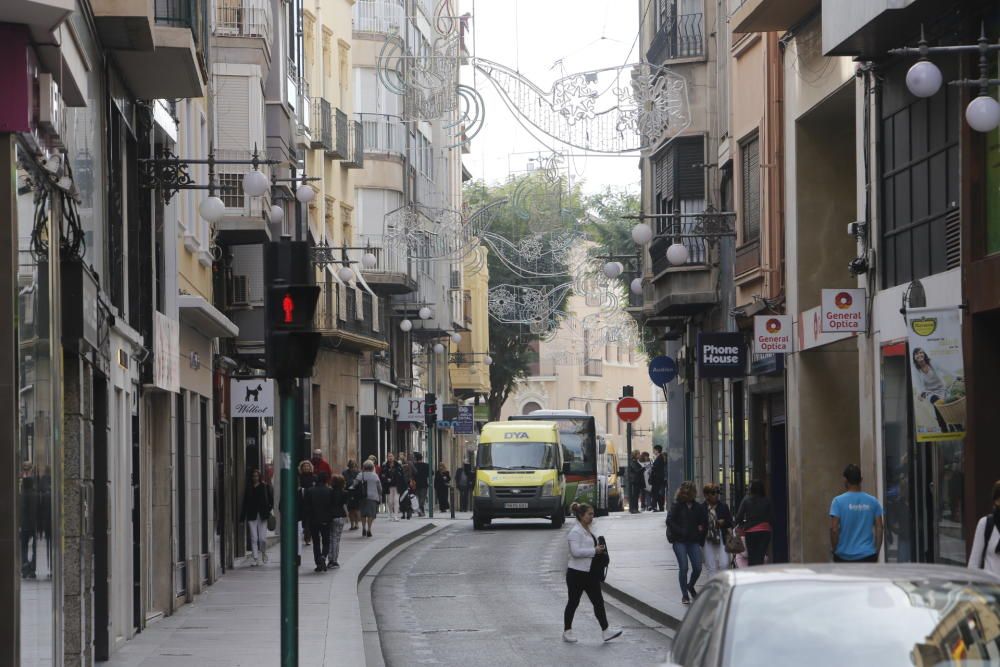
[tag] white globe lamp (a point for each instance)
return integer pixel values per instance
(254, 183)
(983, 114)
(345, 273)
(425, 313)
(438, 348)
(924, 78)
(368, 261)
(405, 325)
(636, 286)
(211, 209)
(305, 193)
(456, 338)
(613, 269)
(677, 254)
(276, 214)
(642, 233)
(488, 360)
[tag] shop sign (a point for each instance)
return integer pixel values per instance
(937, 372)
(844, 311)
(464, 424)
(411, 410)
(166, 353)
(810, 333)
(721, 355)
(251, 398)
(772, 334)
(662, 370)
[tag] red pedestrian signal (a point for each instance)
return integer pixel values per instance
(292, 306)
(288, 305)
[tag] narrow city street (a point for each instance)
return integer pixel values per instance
(496, 597)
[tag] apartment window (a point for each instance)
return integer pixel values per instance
(347, 224)
(680, 30)
(919, 179)
(327, 60)
(231, 189)
(750, 181)
(679, 187)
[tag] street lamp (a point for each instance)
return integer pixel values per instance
(406, 325)
(346, 274)
(924, 78)
(613, 269)
(488, 360)
(456, 338)
(642, 233)
(425, 313)
(305, 194)
(677, 254)
(636, 286)
(276, 214)
(438, 348)
(255, 184)
(369, 261)
(211, 209)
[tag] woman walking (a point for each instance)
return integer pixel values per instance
(353, 502)
(583, 546)
(720, 521)
(373, 493)
(258, 503)
(340, 501)
(307, 479)
(754, 519)
(442, 480)
(687, 524)
(985, 554)
(393, 483)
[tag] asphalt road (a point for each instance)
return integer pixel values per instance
(496, 597)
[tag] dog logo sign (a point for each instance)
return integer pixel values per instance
(252, 398)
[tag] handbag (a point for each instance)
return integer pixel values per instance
(272, 522)
(734, 544)
(600, 562)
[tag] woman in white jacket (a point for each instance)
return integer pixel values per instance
(985, 554)
(583, 547)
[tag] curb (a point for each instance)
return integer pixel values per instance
(644, 608)
(392, 546)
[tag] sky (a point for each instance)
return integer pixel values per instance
(545, 40)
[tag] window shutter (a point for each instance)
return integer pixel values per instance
(750, 164)
(690, 154)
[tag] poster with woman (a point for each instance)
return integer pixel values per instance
(937, 373)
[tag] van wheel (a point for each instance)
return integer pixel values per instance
(558, 519)
(477, 524)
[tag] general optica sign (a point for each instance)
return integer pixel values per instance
(844, 311)
(772, 334)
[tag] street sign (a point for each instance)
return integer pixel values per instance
(662, 370)
(629, 409)
(251, 398)
(772, 334)
(464, 423)
(844, 310)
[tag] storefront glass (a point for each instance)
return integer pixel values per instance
(898, 464)
(39, 423)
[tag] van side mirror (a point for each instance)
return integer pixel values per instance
(566, 468)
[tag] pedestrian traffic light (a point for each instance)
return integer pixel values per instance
(291, 343)
(430, 409)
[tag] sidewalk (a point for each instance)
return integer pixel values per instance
(236, 621)
(643, 571)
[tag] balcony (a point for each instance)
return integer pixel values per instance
(125, 25)
(681, 36)
(300, 102)
(322, 125)
(356, 146)
(244, 24)
(243, 222)
(350, 319)
(593, 368)
(685, 290)
(342, 136)
(770, 15)
(384, 134)
(383, 17)
(391, 274)
(869, 28)
(173, 67)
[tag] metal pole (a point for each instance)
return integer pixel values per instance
(431, 440)
(628, 457)
(289, 534)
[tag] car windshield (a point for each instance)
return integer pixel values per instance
(820, 623)
(519, 456)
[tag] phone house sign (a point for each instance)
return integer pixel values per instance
(721, 355)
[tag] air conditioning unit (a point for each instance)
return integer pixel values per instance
(241, 291)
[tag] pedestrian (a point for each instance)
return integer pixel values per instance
(28, 524)
(393, 483)
(353, 501)
(647, 489)
(658, 478)
(636, 482)
(985, 554)
(720, 521)
(320, 464)
(422, 474)
(687, 525)
(258, 503)
(442, 482)
(340, 502)
(583, 546)
(408, 503)
(856, 526)
(462, 484)
(317, 508)
(753, 522)
(307, 478)
(372, 488)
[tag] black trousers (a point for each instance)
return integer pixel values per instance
(867, 559)
(320, 542)
(579, 583)
(659, 488)
(633, 498)
(757, 544)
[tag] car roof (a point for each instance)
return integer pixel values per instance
(844, 572)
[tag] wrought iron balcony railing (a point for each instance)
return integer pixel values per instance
(342, 136)
(593, 367)
(321, 124)
(383, 133)
(242, 18)
(378, 16)
(175, 13)
(356, 146)
(681, 36)
(670, 229)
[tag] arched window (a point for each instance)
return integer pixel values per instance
(530, 407)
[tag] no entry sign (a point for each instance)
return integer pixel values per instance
(629, 409)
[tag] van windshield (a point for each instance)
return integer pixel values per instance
(516, 456)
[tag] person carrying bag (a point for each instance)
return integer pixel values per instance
(587, 568)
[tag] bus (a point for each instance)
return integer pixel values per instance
(578, 436)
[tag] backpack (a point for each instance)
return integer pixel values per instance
(988, 529)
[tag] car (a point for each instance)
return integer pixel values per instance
(853, 615)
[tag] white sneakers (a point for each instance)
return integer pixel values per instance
(611, 633)
(263, 556)
(569, 637)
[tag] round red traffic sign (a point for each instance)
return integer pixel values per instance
(629, 409)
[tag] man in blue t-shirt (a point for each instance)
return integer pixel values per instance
(855, 522)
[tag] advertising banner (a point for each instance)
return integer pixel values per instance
(166, 353)
(721, 355)
(937, 372)
(411, 410)
(251, 398)
(772, 334)
(464, 424)
(844, 311)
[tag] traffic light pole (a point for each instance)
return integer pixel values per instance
(289, 532)
(628, 455)
(431, 439)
